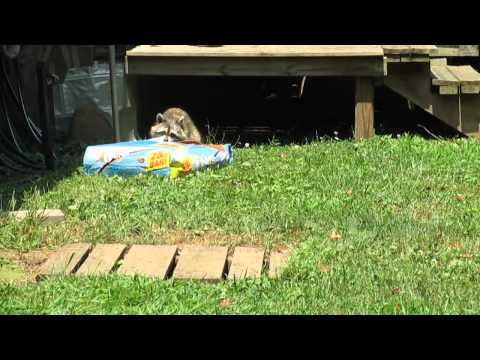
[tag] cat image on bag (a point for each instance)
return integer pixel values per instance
(175, 125)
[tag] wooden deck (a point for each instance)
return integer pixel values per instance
(257, 60)
(368, 64)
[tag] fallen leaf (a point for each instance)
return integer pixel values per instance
(394, 207)
(282, 249)
(469, 256)
(460, 197)
(324, 268)
(335, 236)
(283, 155)
(224, 303)
(455, 245)
(398, 307)
(396, 291)
(349, 192)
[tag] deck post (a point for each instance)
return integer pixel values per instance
(364, 108)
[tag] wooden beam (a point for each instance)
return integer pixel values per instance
(260, 66)
(409, 49)
(415, 58)
(423, 49)
(364, 108)
(438, 62)
(470, 89)
(396, 49)
(448, 90)
(393, 58)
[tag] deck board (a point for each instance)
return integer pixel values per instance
(454, 75)
(257, 51)
(409, 49)
(465, 74)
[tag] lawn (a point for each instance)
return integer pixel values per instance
(385, 226)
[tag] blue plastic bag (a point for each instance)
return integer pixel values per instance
(154, 157)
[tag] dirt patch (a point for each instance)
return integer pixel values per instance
(205, 238)
(422, 214)
(268, 240)
(28, 264)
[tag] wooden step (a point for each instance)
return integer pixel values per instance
(194, 262)
(278, 261)
(149, 260)
(101, 260)
(201, 263)
(454, 79)
(65, 260)
(415, 83)
(246, 263)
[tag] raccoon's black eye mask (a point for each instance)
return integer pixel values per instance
(163, 133)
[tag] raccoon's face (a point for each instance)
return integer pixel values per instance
(168, 132)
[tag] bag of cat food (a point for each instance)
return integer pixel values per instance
(154, 157)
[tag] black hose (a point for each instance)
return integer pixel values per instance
(7, 162)
(9, 148)
(7, 80)
(6, 146)
(19, 88)
(36, 132)
(12, 156)
(15, 157)
(7, 118)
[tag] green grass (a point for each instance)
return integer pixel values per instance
(407, 210)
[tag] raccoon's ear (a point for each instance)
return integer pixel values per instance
(180, 121)
(159, 118)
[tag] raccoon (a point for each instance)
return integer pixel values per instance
(175, 125)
